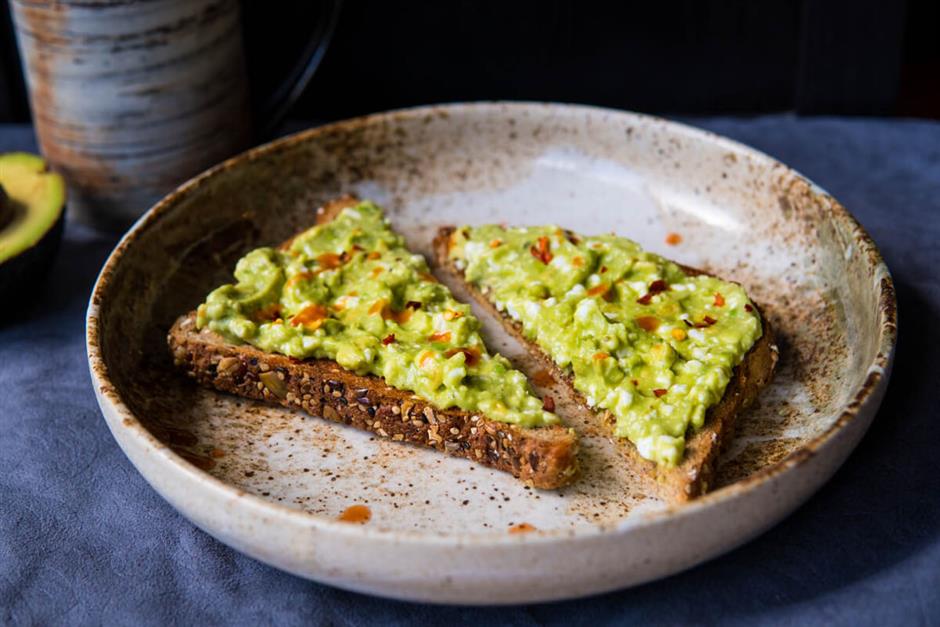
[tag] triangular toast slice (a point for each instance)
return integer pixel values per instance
(694, 474)
(542, 456)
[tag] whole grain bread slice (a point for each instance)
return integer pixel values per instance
(543, 457)
(695, 474)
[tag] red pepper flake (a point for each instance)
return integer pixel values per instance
(543, 378)
(471, 354)
(548, 403)
(655, 287)
(658, 286)
(496, 243)
(659, 392)
(719, 300)
(311, 316)
(357, 248)
(707, 321)
(603, 269)
(442, 336)
(541, 250)
(299, 278)
(330, 261)
(673, 239)
(577, 261)
(374, 255)
(267, 313)
(634, 382)
(413, 304)
(382, 307)
(602, 290)
(748, 308)
(600, 356)
(401, 317)
(648, 323)
(388, 339)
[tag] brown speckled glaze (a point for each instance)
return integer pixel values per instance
(273, 483)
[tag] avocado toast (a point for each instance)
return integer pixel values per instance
(344, 323)
(666, 356)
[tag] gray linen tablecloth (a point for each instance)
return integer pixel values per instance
(84, 540)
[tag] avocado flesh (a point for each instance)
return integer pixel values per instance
(31, 221)
(33, 203)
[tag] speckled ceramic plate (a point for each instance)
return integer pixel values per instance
(273, 483)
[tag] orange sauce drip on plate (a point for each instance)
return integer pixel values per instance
(360, 514)
(522, 528)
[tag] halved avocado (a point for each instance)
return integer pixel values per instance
(31, 221)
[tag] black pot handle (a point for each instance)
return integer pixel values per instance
(272, 111)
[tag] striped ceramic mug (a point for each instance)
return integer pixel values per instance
(131, 97)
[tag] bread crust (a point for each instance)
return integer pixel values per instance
(543, 457)
(695, 474)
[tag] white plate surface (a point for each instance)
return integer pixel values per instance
(272, 482)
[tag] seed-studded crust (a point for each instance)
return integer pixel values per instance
(543, 457)
(694, 475)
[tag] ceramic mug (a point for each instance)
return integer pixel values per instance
(131, 98)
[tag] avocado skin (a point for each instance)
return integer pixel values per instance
(21, 275)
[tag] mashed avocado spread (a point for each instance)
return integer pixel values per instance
(350, 291)
(644, 340)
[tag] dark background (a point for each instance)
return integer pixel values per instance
(861, 57)
(84, 540)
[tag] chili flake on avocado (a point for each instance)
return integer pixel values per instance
(350, 291)
(644, 340)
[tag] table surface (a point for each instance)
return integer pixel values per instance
(84, 539)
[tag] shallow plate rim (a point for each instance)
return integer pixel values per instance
(109, 397)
